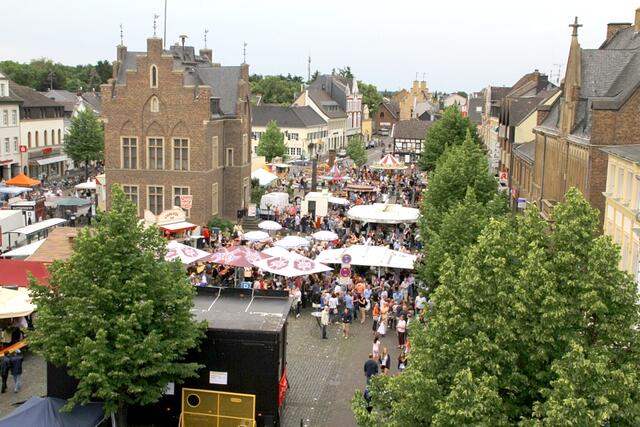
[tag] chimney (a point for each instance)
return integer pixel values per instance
(637, 21)
(207, 53)
(415, 86)
(614, 27)
(122, 51)
(154, 45)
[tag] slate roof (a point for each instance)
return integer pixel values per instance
(392, 107)
(64, 97)
(32, 98)
(525, 151)
(476, 116)
(196, 71)
(411, 129)
(93, 99)
(334, 86)
(627, 152)
(11, 97)
(626, 38)
(291, 117)
(324, 101)
(499, 92)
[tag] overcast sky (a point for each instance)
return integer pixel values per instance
(457, 44)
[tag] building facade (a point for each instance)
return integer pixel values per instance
(9, 130)
(408, 139)
(491, 124)
(622, 203)
(387, 115)
(598, 107)
(176, 124)
(407, 100)
(42, 134)
(303, 128)
(346, 94)
(331, 113)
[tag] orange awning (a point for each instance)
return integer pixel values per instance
(22, 180)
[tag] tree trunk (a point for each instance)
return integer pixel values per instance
(119, 418)
(86, 170)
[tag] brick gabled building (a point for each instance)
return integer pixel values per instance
(598, 107)
(178, 124)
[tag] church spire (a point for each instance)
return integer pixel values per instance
(572, 80)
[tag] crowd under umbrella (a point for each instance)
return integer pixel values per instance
(292, 242)
(291, 265)
(384, 213)
(255, 236)
(186, 254)
(236, 256)
(325, 236)
(269, 226)
(389, 163)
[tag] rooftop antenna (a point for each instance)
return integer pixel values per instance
(121, 38)
(423, 76)
(309, 69)
(244, 52)
(164, 35)
(205, 38)
(155, 23)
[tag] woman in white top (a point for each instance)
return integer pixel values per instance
(375, 349)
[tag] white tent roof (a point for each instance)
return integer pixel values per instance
(384, 213)
(276, 251)
(291, 242)
(264, 177)
(24, 251)
(291, 265)
(15, 303)
(39, 226)
(187, 254)
(372, 256)
(89, 185)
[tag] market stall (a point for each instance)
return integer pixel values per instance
(291, 265)
(384, 213)
(236, 256)
(173, 222)
(370, 256)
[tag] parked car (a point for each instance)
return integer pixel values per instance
(342, 153)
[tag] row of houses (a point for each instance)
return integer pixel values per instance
(33, 126)
(543, 140)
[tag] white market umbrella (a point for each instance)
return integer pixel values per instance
(255, 236)
(186, 254)
(371, 256)
(276, 251)
(15, 303)
(270, 226)
(88, 185)
(325, 235)
(292, 242)
(338, 201)
(292, 265)
(384, 213)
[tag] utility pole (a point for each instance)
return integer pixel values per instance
(309, 70)
(52, 77)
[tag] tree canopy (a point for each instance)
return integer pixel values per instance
(271, 142)
(42, 74)
(450, 130)
(116, 315)
(535, 326)
(85, 140)
(356, 151)
(276, 89)
(370, 96)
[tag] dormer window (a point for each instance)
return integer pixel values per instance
(214, 105)
(155, 105)
(153, 77)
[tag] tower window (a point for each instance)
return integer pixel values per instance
(154, 76)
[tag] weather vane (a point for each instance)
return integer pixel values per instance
(155, 22)
(121, 38)
(244, 52)
(205, 38)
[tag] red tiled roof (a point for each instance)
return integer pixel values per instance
(15, 272)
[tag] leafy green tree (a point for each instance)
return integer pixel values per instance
(345, 72)
(449, 131)
(276, 89)
(257, 191)
(85, 140)
(356, 152)
(42, 74)
(515, 335)
(271, 142)
(116, 315)
(370, 96)
(225, 225)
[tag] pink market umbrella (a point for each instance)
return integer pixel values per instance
(186, 254)
(236, 256)
(292, 265)
(389, 163)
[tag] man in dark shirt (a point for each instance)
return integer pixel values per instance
(370, 368)
(347, 318)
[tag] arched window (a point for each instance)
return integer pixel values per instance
(155, 105)
(59, 137)
(45, 138)
(37, 140)
(53, 137)
(153, 78)
(29, 139)
(382, 114)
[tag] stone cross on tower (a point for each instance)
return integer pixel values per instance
(155, 23)
(205, 38)
(575, 27)
(121, 38)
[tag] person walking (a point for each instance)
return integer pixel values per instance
(16, 370)
(362, 305)
(401, 329)
(370, 368)
(385, 361)
(375, 348)
(375, 313)
(5, 367)
(324, 322)
(346, 322)
(402, 361)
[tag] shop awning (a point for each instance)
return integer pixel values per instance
(38, 226)
(54, 159)
(178, 226)
(24, 251)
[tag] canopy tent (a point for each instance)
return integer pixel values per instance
(291, 242)
(291, 265)
(186, 254)
(338, 201)
(38, 226)
(22, 180)
(276, 251)
(264, 177)
(24, 251)
(383, 213)
(325, 235)
(269, 226)
(371, 256)
(89, 185)
(175, 227)
(45, 412)
(72, 201)
(255, 236)
(15, 272)
(13, 191)
(388, 162)
(236, 256)
(361, 188)
(334, 174)
(15, 303)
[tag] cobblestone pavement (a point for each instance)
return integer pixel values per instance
(323, 374)
(33, 384)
